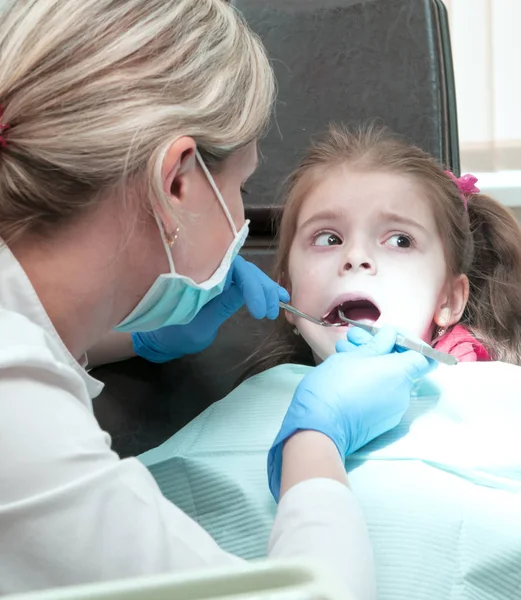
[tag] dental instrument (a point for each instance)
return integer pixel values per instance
(401, 340)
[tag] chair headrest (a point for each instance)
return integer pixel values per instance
(349, 61)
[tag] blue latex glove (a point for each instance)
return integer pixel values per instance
(353, 397)
(245, 284)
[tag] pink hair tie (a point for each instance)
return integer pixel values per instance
(466, 185)
(3, 127)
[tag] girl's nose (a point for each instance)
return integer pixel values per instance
(358, 259)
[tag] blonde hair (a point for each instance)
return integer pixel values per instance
(94, 92)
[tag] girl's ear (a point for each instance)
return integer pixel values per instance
(290, 317)
(453, 303)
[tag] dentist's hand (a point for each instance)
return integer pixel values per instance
(353, 397)
(245, 284)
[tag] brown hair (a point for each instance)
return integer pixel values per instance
(482, 242)
(94, 92)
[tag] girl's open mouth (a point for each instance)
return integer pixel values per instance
(357, 310)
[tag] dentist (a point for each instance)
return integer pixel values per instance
(127, 130)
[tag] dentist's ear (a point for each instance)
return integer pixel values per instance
(179, 164)
(453, 304)
(178, 160)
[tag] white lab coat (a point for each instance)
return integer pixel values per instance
(71, 511)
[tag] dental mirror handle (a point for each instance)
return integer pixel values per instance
(426, 350)
(407, 343)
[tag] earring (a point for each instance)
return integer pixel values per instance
(440, 332)
(296, 331)
(172, 237)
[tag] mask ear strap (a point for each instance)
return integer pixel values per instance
(216, 190)
(165, 243)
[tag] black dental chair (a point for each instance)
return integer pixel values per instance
(335, 60)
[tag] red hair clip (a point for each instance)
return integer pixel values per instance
(466, 185)
(3, 127)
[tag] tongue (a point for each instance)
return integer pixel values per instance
(364, 314)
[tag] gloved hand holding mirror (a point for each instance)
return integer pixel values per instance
(245, 284)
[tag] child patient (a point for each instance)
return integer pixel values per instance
(378, 228)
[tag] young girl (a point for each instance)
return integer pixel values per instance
(377, 227)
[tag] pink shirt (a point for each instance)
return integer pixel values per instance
(459, 342)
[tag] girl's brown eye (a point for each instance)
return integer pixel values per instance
(327, 239)
(400, 240)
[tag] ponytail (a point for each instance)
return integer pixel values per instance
(493, 311)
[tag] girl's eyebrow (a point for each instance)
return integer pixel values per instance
(401, 220)
(323, 215)
(391, 217)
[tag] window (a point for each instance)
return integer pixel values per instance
(486, 46)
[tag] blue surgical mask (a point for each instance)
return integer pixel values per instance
(176, 299)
